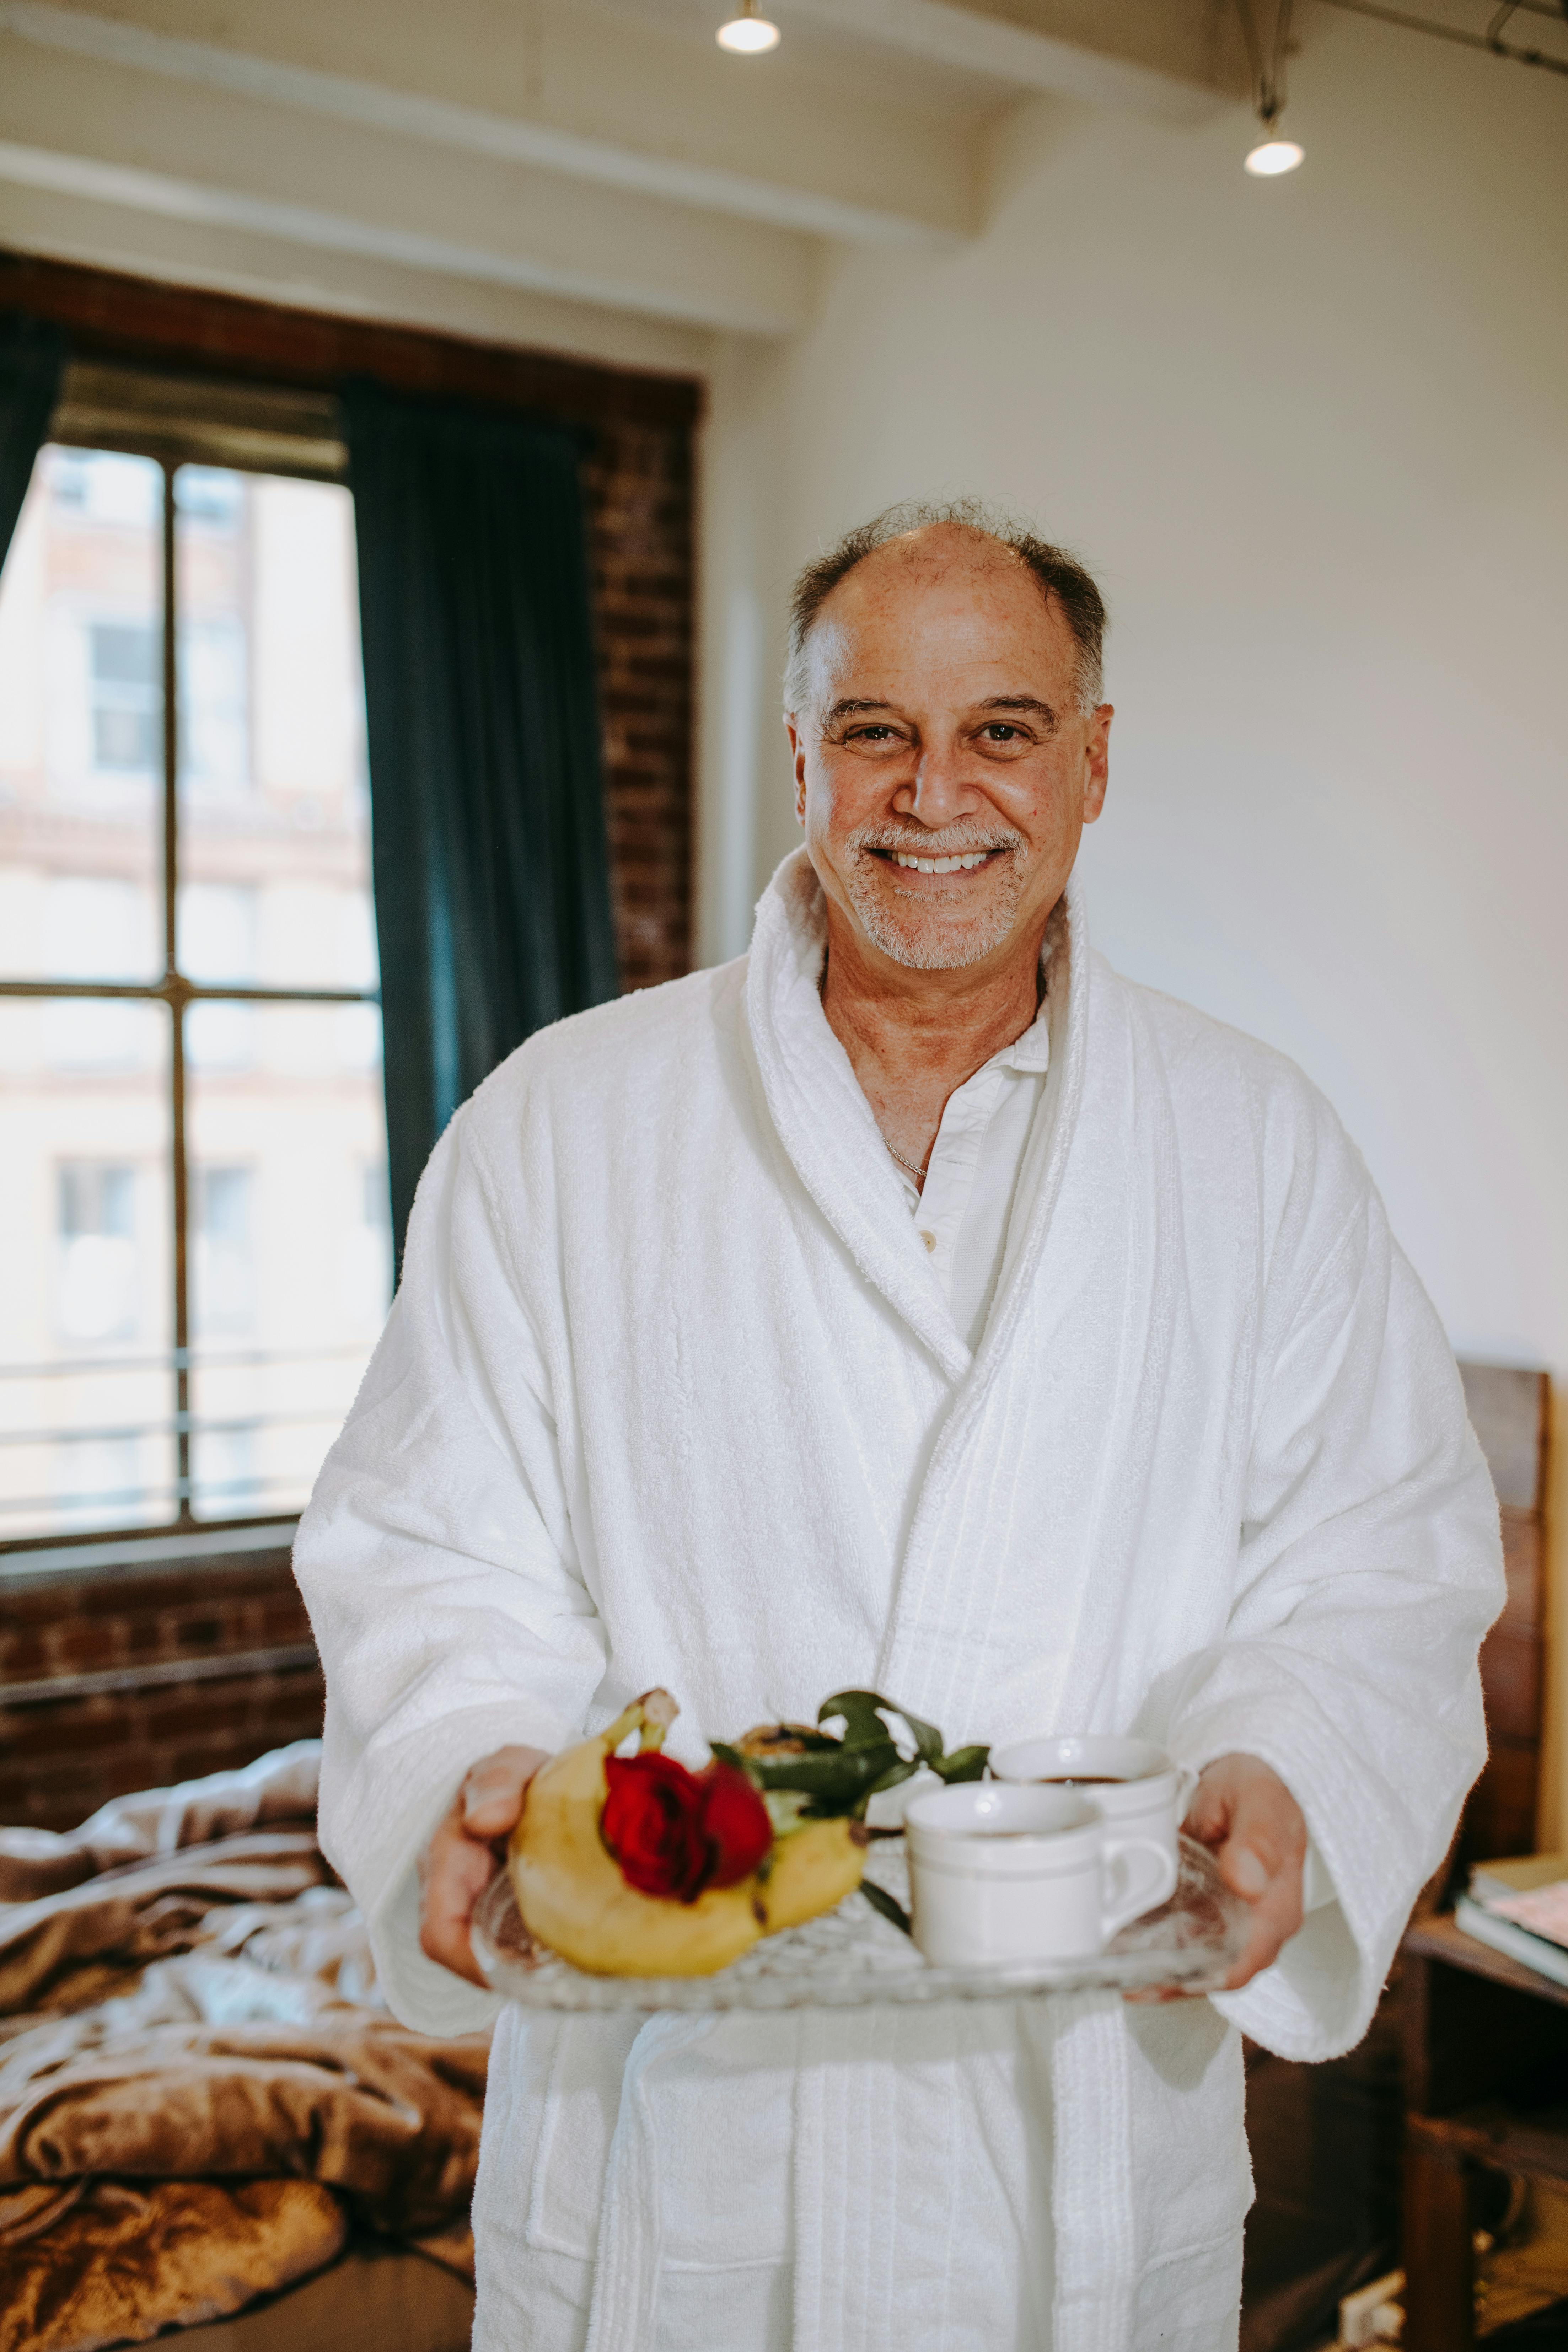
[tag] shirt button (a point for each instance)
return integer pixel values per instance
(929, 1238)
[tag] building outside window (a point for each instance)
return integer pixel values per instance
(194, 1188)
(123, 659)
(99, 1296)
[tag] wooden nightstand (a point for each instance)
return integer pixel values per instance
(1486, 2082)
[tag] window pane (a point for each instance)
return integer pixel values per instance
(275, 812)
(290, 1255)
(87, 1395)
(81, 722)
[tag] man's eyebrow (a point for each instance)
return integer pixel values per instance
(853, 705)
(1020, 702)
(849, 706)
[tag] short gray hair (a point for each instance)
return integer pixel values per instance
(1060, 574)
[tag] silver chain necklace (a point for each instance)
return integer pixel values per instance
(907, 1165)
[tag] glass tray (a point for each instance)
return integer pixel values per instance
(853, 1958)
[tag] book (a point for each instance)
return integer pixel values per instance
(1548, 1959)
(1492, 1881)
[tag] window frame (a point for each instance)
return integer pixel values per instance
(257, 429)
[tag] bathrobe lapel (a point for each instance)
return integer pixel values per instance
(823, 1121)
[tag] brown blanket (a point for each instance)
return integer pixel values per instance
(192, 2022)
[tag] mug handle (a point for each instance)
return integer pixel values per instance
(1146, 1868)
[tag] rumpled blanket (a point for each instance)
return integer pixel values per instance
(200, 2087)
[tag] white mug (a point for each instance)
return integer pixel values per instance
(1134, 1783)
(1000, 1874)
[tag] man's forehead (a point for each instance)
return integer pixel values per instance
(957, 628)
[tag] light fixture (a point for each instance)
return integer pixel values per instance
(747, 34)
(1271, 156)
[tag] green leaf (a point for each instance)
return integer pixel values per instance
(868, 1717)
(836, 1783)
(926, 1737)
(862, 1714)
(888, 1905)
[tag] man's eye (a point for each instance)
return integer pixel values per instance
(1001, 733)
(878, 734)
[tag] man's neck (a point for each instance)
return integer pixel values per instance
(913, 1036)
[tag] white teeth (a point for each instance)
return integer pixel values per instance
(941, 865)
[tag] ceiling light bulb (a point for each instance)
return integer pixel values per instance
(1271, 156)
(747, 34)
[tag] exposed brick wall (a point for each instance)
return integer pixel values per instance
(160, 1704)
(639, 490)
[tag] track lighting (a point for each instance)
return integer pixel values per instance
(1271, 154)
(747, 34)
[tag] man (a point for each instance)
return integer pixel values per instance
(916, 1304)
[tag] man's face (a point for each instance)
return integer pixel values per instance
(943, 726)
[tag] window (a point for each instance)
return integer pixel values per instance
(190, 1042)
(126, 723)
(100, 1293)
(225, 1282)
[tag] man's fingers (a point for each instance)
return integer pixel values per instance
(1244, 1811)
(456, 1872)
(1208, 1815)
(1262, 1861)
(1276, 1917)
(491, 1796)
(461, 1861)
(1246, 1869)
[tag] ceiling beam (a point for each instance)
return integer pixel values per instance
(1023, 58)
(638, 170)
(114, 134)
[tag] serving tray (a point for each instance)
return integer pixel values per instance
(854, 1957)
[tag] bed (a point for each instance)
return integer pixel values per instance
(209, 2121)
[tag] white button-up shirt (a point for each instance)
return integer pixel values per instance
(962, 1213)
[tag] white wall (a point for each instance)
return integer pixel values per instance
(1312, 435)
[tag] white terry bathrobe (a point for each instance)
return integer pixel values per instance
(671, 1393)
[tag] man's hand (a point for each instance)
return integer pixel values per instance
(460, 1860)
(1248, 1815)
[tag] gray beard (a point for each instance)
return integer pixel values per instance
(929, 942)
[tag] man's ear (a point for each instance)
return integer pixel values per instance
(797, 761)
(1096, 761)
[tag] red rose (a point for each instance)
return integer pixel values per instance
(674, 1833)
(652, 1824)
(736, 1822)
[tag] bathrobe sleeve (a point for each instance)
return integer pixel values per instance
(1369, 1568)
(437, 1562)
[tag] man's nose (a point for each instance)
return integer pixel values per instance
(938, 791)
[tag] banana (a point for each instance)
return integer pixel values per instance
(574, 1898)
(569, 1890)
(810, 1870)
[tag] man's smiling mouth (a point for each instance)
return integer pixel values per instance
(962, 861)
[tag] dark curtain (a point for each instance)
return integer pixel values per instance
(491, 868)
(32, 353)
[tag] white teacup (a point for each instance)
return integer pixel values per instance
(1001, 1873)
(1134, 1783)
